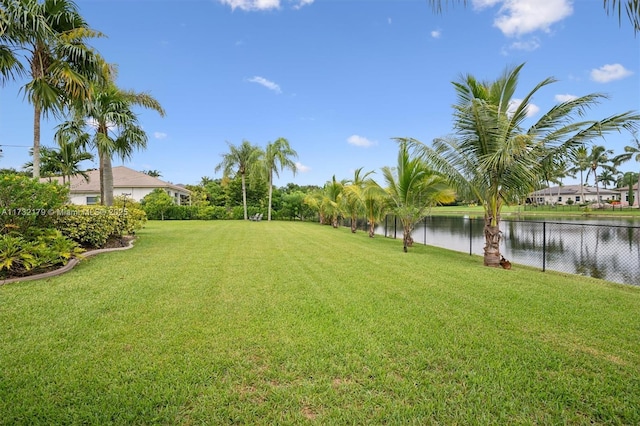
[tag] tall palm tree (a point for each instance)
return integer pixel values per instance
(412, 189)
(493, 158)
(276, 157)
(353, 201)
(631, 152)
(580, 159)
(240, 160)
(599, 157)
(615, 7)
(110, 115)
(52, 34)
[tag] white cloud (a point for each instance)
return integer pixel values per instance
(253, 5)
(302, 3)
(528, 46)
(518, 17)
(159, 135)
(481, 4)
(532, 109)
(389, 21)
(302, 168)
(436, 33)
(565, 98)
(609, 72)
(360, 141)
(266, 83)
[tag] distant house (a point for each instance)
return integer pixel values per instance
(562, 194)
(135, 185)
(624, 195)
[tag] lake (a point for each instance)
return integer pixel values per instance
(600, 248)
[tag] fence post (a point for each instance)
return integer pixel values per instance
(425, 230)
(470, 236)
(395, 227)
(544, 246)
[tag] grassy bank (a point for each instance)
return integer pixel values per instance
(262, 323)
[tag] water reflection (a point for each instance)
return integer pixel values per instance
(607, 249)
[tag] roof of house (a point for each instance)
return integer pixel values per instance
(123, 177)
(567, 190)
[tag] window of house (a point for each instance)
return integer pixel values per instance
(92, 200)
(577, 198)
(559, 199)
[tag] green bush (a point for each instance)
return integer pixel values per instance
(20, 257)
(27, 205)
(93, 226)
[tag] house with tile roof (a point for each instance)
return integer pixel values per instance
(135, 185)
(579, 194)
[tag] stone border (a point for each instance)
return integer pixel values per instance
(69, 266)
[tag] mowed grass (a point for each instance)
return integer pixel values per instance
(232, 322)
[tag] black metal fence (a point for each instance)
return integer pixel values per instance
(609, 249)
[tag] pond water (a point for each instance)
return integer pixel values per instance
(601, 248)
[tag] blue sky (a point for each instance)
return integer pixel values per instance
(339, 79)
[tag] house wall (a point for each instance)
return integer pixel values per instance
(136, 194)
(563, 198)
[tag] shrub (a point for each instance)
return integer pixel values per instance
(19, 257)
(27, 205)
(93, 226)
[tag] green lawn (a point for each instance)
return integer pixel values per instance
(238, 322)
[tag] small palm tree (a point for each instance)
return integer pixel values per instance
(152, 173)
(374, 198)
(241, 160)
(353, 201)
(412, 189)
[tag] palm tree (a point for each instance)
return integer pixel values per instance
(580, 158)
(242, 159)
(607, 177)
(615, 7)
(152, 173)
(631, 152)
(374, 198)
(52, 34)
(109, 112)
(412, 189)
(277, 156)
(62, 161)
(353, 201)
(493, 158)
(599, 157)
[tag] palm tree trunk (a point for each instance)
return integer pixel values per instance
(101, 175)
(637, 201)
(372, 228)
(37, 112)
(270, 194)
(244, 197)
(108, 181)
(492, 236)
(354, 224)
(581, 189)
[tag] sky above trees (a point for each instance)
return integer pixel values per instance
(338, 79)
